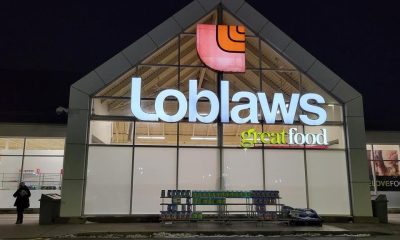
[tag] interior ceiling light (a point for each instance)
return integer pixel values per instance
(205, 138)
(151, 137)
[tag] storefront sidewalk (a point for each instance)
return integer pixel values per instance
(31, 228)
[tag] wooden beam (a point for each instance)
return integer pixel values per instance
(202, 72)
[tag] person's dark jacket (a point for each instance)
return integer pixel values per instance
(22, 195)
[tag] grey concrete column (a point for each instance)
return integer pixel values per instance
(75, 154)
(357, 155)
(72, 192)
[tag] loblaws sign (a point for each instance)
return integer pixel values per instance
(222, 48)
(308, 102)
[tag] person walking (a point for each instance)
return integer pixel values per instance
(22, 201)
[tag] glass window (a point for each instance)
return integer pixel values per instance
(167, 54)
(242, 169)
(44, 146)
(389, 152)
(248, 81)
(232, 134)
(157, 78)
(155, 170)
(272, 60)
(196, 134)
(206, 79)
(285, 172)
(203, 108)
(11, 146)
(278, 129)
(120, 87)
(112, 107)
(284, 82)
(10, 172)
(188, 51)
(371, 169)
(328, 191)
(309, 86)
(43, 172)
(111, 132)
(156, 133)
(198, 169)
(108, 184)
(170, 106)
(100, 132)
(385, 161)
(280, 81)
(6, 199)
(334, 113)
(252, 53)
(387, 168)
(334, 135)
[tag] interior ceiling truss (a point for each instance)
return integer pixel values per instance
(157, 78)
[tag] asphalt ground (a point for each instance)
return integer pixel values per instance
(31, 229)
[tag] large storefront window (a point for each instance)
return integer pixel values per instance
(111, 132)
(384, 167)
(327, 178)
(194, 134)
(108, 180)
(154, 155)
(36, 161)
(198, 169)
(242, 169)
(384, 171)
(285, 171)
(155, 133)
(155, 169)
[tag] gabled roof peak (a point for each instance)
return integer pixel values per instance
(190, 14)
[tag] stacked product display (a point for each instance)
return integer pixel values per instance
(186, 205)
(179, 208)
(222, 194)
(261, 199)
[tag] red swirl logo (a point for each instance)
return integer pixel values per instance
(222, 47)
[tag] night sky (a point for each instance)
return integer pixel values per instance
(45, 46)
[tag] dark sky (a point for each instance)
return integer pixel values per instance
(45, 46)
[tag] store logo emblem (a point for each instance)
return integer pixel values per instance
(222, 47)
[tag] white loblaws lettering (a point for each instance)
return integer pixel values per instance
(319, 111)
(251, 106)
(225, 101)
(136, 100)
(194, 97)
(279, 102)
(278, 106)
(160, 99)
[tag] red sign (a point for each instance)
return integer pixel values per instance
(222, 47)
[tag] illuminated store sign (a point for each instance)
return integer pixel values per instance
(222, 47)
(292, 137)
(307, 102)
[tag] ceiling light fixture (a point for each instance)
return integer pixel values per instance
(205, 138)
(152, 137)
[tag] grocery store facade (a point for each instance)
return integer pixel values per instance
(117, 162)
